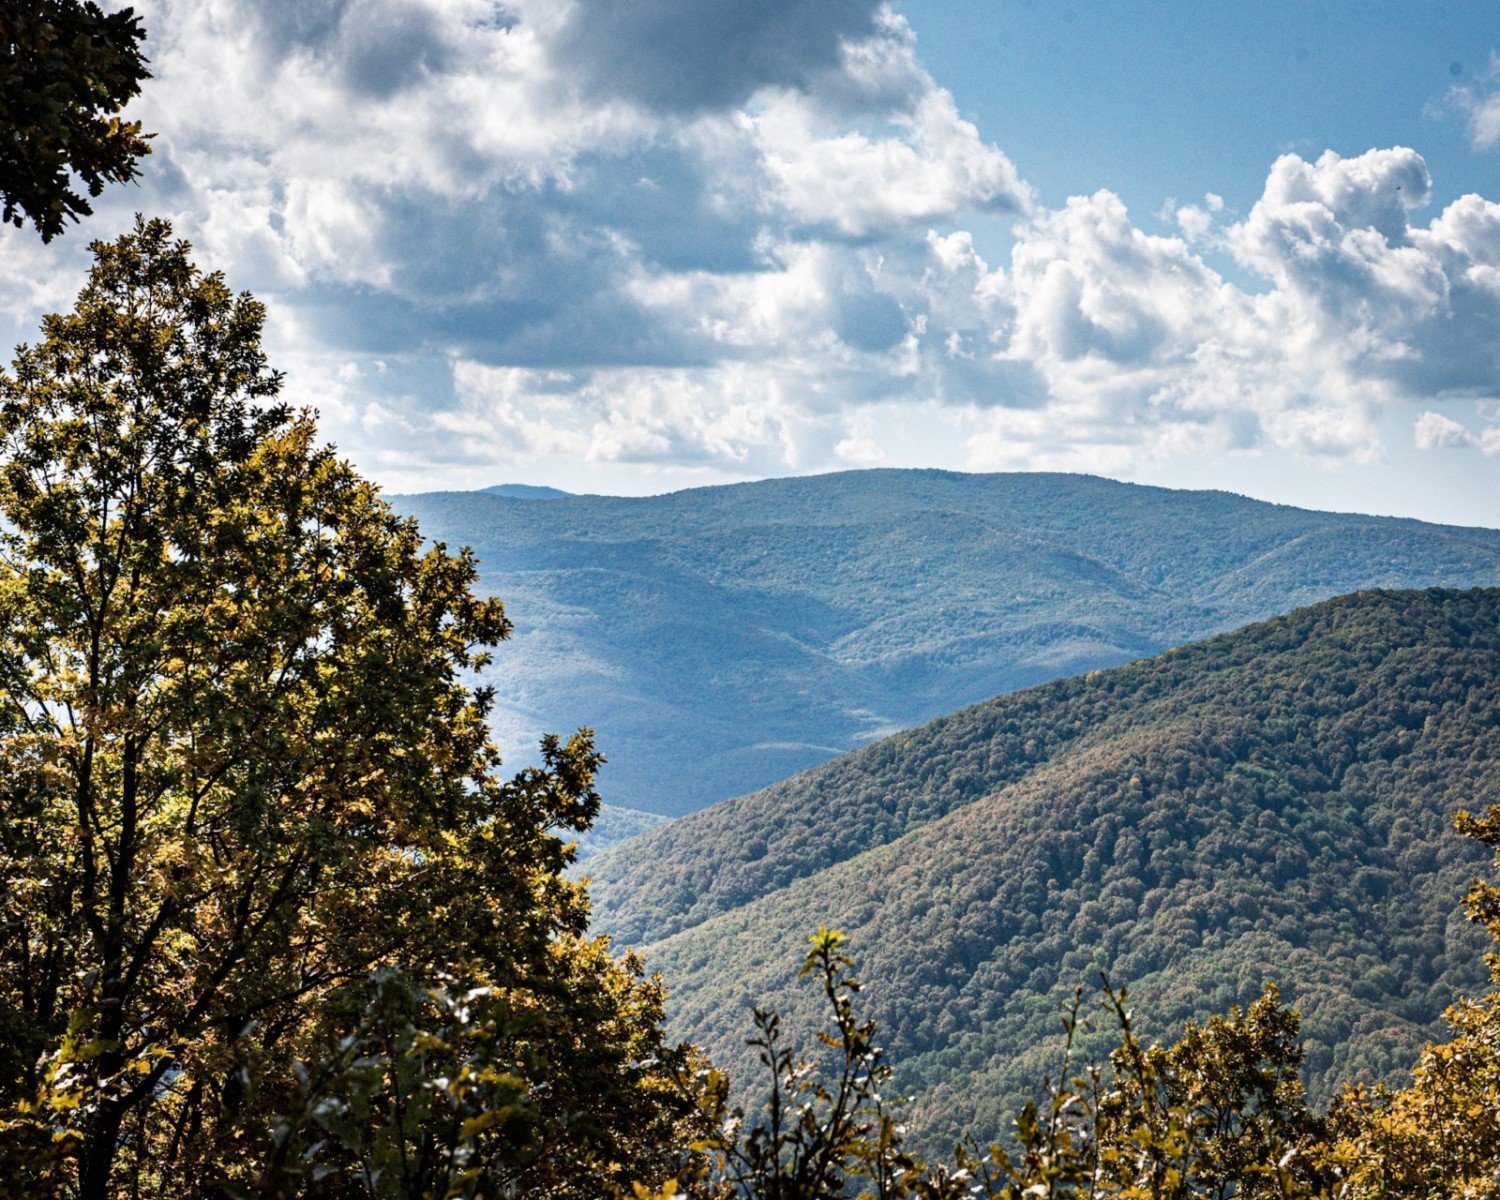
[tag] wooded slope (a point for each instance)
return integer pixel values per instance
(1269, 804)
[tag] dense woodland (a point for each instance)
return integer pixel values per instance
(1269, 805)
(269, 915)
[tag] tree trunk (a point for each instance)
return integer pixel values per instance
(97, 1160)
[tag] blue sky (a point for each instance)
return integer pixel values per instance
(1159, 99)
(1174, 100)
(630, 245)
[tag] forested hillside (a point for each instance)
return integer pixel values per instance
(1269, 804)
(721, 639)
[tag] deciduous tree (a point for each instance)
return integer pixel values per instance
(242, 774)
(67, 68)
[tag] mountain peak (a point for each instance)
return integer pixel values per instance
(526, 491)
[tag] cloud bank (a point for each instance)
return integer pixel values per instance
(739, 236)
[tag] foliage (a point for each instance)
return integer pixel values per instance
(1441, 1134)
(1222, 1112)
(243, 782)
(409, 1102)
(722, 639)
(818, 1132)
(1271, 804)
(66, 69)
(1219, 1113)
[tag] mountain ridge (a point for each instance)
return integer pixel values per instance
(720, 639)
(1271, 803)
(526, 491)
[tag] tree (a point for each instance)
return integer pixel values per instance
(825, 1127)
(66, 70)
(243, 781)
(1441, 1135)
(1221, 1113)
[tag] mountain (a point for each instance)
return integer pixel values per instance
(615, 825)
(1272, 803)
(526, 491)
(720, 639)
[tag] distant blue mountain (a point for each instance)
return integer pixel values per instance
(720, 639)
(526, 491)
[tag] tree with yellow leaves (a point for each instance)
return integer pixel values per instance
(257, 867)
(1441, 1135)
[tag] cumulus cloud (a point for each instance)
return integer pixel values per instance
(1196, 222)
(497, 182)
(1436, 431)
(932, 165)
(724, 235)
(743, 416)
(1143, 343)
(1418, 307)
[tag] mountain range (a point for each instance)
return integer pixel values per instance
(720, 639)
(1269, 804)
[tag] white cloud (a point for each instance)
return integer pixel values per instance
(1434, 431)
(859, 449)
(1088, 285)
(1484, 123)
(932, 165)
(1418, 307)
(1143, 345)
(557, 234)
(1335, 238)
(744, 417)
(1437, 431)
(1195, 221)
(1145, 348)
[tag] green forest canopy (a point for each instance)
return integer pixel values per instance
(1271, 804)
(270, 916)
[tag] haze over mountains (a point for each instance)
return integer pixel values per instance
(1271, 804)
(721, 639)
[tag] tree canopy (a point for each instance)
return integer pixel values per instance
(67, 68)
(1220, 1113)
(250, 816)
(1271, 804)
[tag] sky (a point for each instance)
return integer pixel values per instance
(635, 245)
